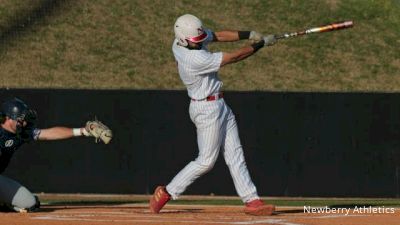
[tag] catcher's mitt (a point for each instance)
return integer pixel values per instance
(99, 131)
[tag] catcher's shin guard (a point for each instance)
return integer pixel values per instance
(30, 209)
(258, 208)
(159, 199)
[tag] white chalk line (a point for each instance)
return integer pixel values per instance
(267, 221)
(130, 217)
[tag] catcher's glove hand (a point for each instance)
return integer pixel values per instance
(99, 131)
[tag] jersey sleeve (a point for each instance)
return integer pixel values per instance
(210, 36)
(35, 133)
(204, 62)
(29, 134)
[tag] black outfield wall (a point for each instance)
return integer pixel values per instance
(296, 144)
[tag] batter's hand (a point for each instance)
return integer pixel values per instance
(255, 36)
(98, 130)
(269, 40)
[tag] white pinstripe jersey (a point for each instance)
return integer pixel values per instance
(198, 69)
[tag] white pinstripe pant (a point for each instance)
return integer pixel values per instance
(216, 128)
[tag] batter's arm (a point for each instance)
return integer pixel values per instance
(226, 36)
(230, 35)
(240, 54)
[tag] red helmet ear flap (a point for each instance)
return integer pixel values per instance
(199, 38)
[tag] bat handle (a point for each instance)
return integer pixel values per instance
(286, 35)
(281, 36)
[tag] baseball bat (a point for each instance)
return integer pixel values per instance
(326, 28)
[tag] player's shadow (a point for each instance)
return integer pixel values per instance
(63, 205)
(177, 211)
(288, 211)
(101, 205)
(350, 206)
(5, 209)
(93, 203)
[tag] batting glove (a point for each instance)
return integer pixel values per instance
(255, 36)
(269, 40)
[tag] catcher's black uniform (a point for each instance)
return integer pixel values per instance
(9, 143)
(12, 194)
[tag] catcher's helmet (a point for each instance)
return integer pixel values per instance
(16, 109)
(189, 27)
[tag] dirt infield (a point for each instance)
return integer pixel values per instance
(190, 214)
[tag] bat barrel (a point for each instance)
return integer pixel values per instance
(348, 23)
(342, 25)
(326, 28)
(331, 27)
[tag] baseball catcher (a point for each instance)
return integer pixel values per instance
(18, 126)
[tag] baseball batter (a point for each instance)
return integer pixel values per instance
(17, 128)
(214, 120)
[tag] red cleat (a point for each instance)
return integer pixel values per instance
(258, 208)
(159, 199)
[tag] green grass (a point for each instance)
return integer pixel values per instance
(127, 44)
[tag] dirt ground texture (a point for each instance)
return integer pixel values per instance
(189, 214)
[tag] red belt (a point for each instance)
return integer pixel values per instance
(211, 97)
